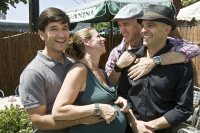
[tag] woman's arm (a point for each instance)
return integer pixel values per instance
(74, 83)
(43, 121)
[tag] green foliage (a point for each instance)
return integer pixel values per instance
(101, 26)
(14, 120)
(188, 2)
(104, 28)
(4, 4)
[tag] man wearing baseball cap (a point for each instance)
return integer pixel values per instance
(126, 19)
(163, 98)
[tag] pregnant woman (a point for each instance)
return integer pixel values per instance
(87, 91)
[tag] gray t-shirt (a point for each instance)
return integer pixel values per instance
(41, 81)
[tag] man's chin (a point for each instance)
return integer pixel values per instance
(144, 42)
(126, 41)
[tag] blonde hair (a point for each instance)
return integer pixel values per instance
(76, 47)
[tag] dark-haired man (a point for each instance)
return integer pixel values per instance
(41, 80)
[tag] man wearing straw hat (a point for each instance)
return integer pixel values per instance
(163, 98)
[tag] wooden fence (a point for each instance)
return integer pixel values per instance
(191, 33)
(18, 49)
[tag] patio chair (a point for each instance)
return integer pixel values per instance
(196, 98)
(194, 127)
(1, 93)
(196, 114)
(17, 91)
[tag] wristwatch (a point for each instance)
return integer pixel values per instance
(97, 110)
(157, 60)
(117, 69)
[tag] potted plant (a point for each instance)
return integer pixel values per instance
(15, 120)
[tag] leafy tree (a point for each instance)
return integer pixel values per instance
(4, 4)
(188, 2)
(102, 26)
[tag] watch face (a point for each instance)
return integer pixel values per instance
(157, 60)
(97, 111)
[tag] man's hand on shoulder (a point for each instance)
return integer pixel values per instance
(125, 59)
(144, 66)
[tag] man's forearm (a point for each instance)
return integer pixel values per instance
(131, 118)
(124, 61)
(114, 77)
(159, 123)
(190, 49)
(47, 122)
(172, 58)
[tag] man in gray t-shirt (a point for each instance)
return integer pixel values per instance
(42, 79)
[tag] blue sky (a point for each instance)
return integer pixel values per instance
(21, 12)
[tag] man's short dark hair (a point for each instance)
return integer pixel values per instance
(52, 14)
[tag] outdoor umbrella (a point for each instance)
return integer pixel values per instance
(104, 10)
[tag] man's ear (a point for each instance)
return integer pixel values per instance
(168, 29)
(86, 41)
(41, 34)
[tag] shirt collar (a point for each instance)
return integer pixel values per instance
(51, 62)
(165, 49)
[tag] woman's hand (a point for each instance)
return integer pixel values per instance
(123, 104)
(108, 112)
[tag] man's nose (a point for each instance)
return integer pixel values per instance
(61, 33)
(103, 39)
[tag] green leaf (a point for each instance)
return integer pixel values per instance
(188, 2)
(4, 4)
(14, 120)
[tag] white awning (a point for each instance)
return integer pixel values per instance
(190, 12)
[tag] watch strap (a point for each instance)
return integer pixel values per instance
(97, 110)
(118, 69)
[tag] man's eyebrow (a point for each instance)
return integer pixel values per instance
(53, 26)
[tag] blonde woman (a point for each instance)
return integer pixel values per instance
(86, 90)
